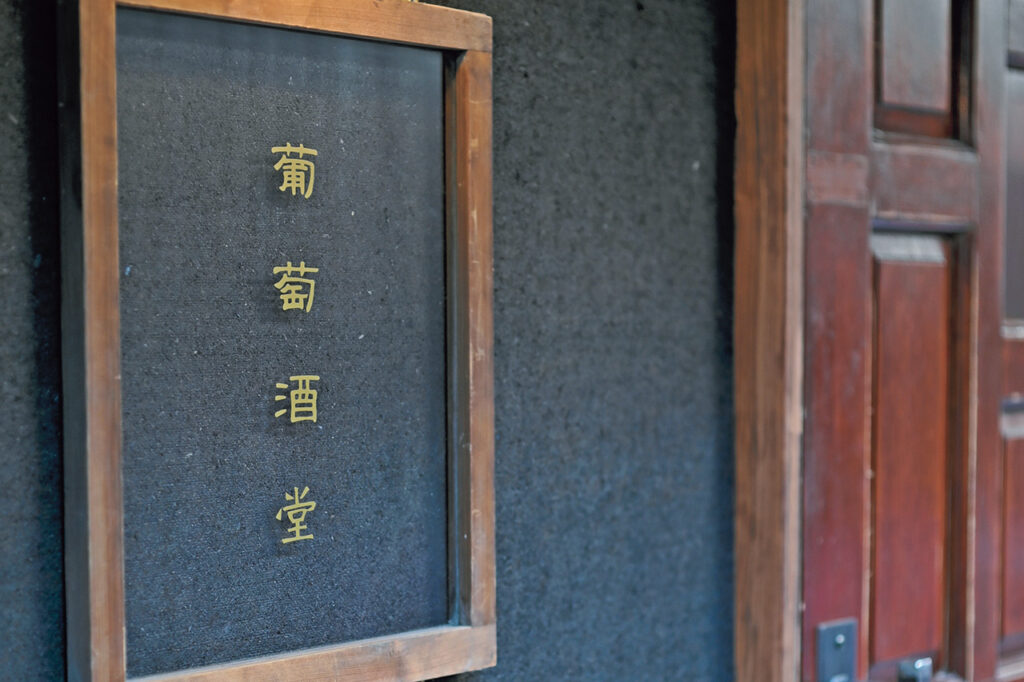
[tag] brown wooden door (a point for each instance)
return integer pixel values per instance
(904, 372)
(1010, 564)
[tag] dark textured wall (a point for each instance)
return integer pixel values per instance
(612, 126)
(612, 251)
(31, 570)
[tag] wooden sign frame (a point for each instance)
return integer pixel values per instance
(94, 542)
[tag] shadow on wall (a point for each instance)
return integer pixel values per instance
(31, 565)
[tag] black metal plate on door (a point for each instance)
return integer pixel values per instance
(837, 651)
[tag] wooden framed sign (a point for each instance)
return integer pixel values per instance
(279, 416)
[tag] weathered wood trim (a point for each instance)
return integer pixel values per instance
(927, 184)
(474, 452)
(412, 656)
(768, 336)
(984, 574)
(397, 21)
(92, 344)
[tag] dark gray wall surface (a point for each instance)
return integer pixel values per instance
(612, 251)
(613, 125)
(31, 570)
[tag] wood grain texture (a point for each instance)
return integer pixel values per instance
(836, 444)
(91, 343)
(837, 178)
(921, 186)
(926, 184)
(396, 21)
(1013, 540)
(925, 68)
(914, 122)
(838, 277)
(910, 457)
(916, 56)
(982, 582)
(915, 53)
(960, 618)
(474, 452)
(839, 76)
(767, 334)
(419, 655)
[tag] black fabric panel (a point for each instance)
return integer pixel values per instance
(203, 224)
(613, 246)
(31, 559)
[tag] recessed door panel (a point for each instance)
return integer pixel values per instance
(916, 59)
(910, 445)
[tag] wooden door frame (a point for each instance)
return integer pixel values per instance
(768, 336)
(771, 191)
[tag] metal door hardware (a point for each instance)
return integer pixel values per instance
(837, 651)
(916, 670)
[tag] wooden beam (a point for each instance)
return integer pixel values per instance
(981, 583)
(768, 336)
(395, 21)
(474, 453)
(417, 655)
(91, 338)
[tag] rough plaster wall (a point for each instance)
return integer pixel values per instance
(613, 252)
(31, 577)
(612, 244)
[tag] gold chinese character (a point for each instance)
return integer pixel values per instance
(296, 292)
(302, 397)
(296, 512)
(294, 169)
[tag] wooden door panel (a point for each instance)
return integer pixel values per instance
(903, 207)
(920, 51)
(1013, 535)
(925, 184)
(1011, 632)
(838, 121)
(837, 318)
(1015, 40)
(1011, 621)
(836, 436)
(989, 140)
(1013, 359)
(1013, 305)
(911, 445)
(916, 59)
(903, 130)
